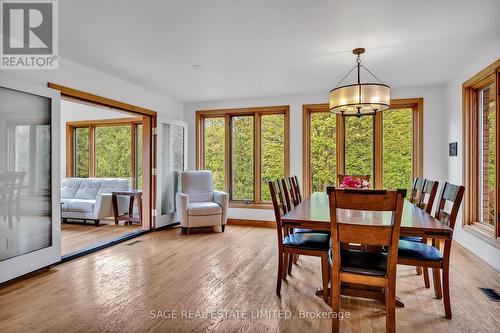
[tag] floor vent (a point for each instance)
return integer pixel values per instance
(133, 243)
(492, 294)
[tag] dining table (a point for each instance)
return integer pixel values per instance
(314, 213)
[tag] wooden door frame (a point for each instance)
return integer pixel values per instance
(149, 142)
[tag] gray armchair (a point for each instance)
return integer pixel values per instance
(198, 205)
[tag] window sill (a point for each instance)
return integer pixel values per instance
(483, 233)
(250, 205)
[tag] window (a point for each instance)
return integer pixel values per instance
(113, 151)
(29, 146)
(386, 146)
(106, 148)
(273, 152)
(215, 150)
(358, 139)
(81, 152)
(397, 141)
(242, 158)
(323, 149)
(481, 95)
(244, 149)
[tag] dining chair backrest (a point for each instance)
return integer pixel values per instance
(428, 192)
(298, 195)
(293, 191)
(293, 194)
(287, 194)
(453, 194)
(416, 189)
(368, 234)
(279, 207)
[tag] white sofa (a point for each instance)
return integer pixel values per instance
(198, 205)
(90, 198)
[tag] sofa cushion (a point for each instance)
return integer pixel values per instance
(88, 188)
(204, 208)
(69, 187)
(110, 185)
(78, 205)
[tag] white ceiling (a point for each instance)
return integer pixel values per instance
(258, 48)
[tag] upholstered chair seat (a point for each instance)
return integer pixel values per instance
(198, 204)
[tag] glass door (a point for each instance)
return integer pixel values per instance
(29, 178)
(171, 162)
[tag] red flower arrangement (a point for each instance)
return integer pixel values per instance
(354, 182)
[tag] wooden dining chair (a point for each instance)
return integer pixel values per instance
(427, 196)
(425, 201)
(288, 193)
(309, 244)
(362, 267)
(298, 194)
(429, 256)
(416, 189)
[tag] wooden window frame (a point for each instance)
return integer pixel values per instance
(257, 113)
(416, 104)
(92, 125)
(471, 138)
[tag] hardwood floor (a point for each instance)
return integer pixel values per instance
(116, 289)
(78, 236)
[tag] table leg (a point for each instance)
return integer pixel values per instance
(131, 210)
(115, 207)
(139, 208)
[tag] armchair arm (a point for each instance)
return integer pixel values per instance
(222, 198)
(181, 202)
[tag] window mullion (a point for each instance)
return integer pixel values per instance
(497, 154)
(257, 157)
(91, 138)
(378, 166)
(227, 153)
(133, 157)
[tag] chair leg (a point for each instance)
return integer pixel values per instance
(419, 270)
(425, 271)
(295, 258)
(290, 262)
(335, 297)
(285, 264)
(184, 230)
(390, 308)
(446, 292)
(280, 274)
(437, 283)
(223, 226)
(325, 273)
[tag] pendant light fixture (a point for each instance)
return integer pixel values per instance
(360, 99)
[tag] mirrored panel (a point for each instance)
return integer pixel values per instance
(25, 173)
(171, 148)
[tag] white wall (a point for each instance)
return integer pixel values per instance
(485, 251)
(77, 76)
(435, 155)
